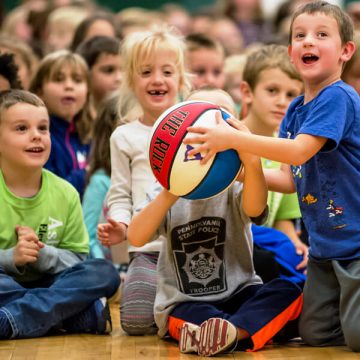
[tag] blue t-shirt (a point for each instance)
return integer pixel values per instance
(328, 185)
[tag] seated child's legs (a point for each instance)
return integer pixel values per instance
(348, 274)
(138, 295)
(10, 290)
(319, 323)
(251, 311)
(73, 290)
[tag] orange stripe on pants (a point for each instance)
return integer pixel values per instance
(275, 325)
(174, 325)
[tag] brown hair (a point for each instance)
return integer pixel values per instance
(12, 97)
(346, 29)
(268, 57)
(105, 123)
(49, 67)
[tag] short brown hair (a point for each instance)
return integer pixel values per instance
(268, 57)
(52, 63)
(12, 97)
(346, 29)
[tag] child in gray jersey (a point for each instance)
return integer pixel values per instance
(209, 297)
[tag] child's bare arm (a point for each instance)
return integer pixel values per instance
(222, 137)
(280, 180)
(255, 189)
(144, 225)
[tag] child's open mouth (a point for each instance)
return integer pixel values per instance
(157, 92)
(35, 150)
(310, 58)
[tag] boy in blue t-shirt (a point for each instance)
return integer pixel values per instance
(46, 283)
(320, 139)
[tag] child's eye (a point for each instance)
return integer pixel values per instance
(58, 78)
(299, 35)
(168, 72)
(322, 34)
(21, 128)
(108, 69)
(43, 128)
(272, 90)
(291, 95)
(78, 78)
(200, 72)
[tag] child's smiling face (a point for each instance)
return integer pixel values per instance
(316, 48)
(24, 137)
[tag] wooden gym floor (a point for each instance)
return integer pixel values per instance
(119, 346)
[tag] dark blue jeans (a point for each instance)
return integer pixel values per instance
(34, 309)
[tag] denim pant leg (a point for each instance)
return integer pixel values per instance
(10, 290)
(40, 309)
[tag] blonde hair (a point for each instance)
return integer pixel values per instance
(142, 45)
(214, 90)
(68, 15)
(49, 67)
(15, 16)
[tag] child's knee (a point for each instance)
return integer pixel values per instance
(352, 336)
(104, 272)
(135, 326)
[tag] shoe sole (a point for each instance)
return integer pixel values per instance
(189, 335)
(216, 335)
(105, 325)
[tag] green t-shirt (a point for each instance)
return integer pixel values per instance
(55, 215)
(281, 206)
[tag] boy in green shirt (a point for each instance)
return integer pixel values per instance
(46, 283)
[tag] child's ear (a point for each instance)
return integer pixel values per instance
(348, 51)
(246, 92)
(289, 53)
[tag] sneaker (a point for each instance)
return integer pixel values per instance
(5, 327)
(212, 337)
(95, 319)
(189, 338)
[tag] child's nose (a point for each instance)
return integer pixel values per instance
(157, 77)
(308, 40)
(118, 77)
(210, 79)
(282, 100)
(69, 83)
(35, 134)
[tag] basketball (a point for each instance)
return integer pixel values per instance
(177, 172)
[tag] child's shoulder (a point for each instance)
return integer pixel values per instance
(58, 185)
(127, 126)
(340, 88)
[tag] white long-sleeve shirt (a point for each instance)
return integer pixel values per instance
(131, 175)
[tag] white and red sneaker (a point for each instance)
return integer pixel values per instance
(212, 337)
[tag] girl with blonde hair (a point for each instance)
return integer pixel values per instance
(154, 79)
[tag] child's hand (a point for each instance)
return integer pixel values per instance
(111, 233)
(28, 246)
(211, 139)
(302, 249)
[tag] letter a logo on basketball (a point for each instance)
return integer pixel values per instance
(191, 158)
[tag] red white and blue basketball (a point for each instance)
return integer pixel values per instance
(177, 172)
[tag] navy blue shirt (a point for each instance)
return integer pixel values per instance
(68, 157)
(328, 185)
